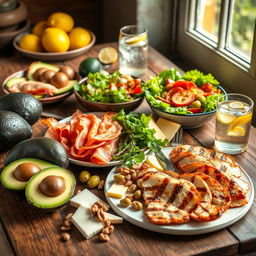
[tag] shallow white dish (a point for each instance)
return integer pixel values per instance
(192, 228)
(83, 163)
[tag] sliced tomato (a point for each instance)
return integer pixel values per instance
(136, 90)
(208, 89)
(195, 110)
(182, 98)
(171, 92)
(186, 85)
(197, 91)
(163, 100)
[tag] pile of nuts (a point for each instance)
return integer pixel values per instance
(128, 177)
(66, 226)
(98, 209)
(91, 181)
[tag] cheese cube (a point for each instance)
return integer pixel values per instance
(85, 198)
(117, 190)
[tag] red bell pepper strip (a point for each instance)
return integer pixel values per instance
(186, 85)
(164, 100)
(136, 90)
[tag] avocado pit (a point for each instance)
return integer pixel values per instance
(52, 186)
(25, 171)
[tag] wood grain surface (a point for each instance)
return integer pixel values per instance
(33, 232)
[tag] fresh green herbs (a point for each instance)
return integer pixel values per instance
(136, 137)
(210, 103)
(110, 88)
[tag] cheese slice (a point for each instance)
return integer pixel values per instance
(158, 134)
(168, 128)
(154, 162)
(86, 198)
(117, 191)
(86, 223)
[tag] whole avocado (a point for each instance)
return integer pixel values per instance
(89, 65)
(13, 129)
(42, 148)
(23, 104)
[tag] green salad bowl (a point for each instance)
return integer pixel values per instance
(102, 107)
(187, 121)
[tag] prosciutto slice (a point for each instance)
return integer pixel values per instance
(87, 137)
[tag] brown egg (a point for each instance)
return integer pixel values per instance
(52, 186)
(68, 71)
(59, 80)
(25, 171)
(47, 75)
(37, 74)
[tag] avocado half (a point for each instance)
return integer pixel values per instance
(36, 65)
(36, 198)
(10, 182)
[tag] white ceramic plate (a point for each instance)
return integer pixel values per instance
(192, 228)
(83, 163)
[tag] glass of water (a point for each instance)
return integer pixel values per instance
(133, 50)
(233, 121)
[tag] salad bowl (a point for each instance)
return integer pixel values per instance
(189, 100)
(91, 105)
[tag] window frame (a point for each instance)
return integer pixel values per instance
(190, 42)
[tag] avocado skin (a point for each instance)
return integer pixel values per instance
(23, 104)
(42, 148)
(13, 129)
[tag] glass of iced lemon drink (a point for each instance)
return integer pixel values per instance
(233, 121)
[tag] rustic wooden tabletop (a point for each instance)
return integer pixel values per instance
(33, 232)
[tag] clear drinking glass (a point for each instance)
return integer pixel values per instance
(133, 50)
(233, 121)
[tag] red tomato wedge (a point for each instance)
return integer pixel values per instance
(136, 90)
(195, 110)
(186, 85)
(172, 92)
(182, 98)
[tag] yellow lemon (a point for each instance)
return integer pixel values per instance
(237, 131)
(31, 42)
(55, 40)
(240, 121)
(136, 39)
(39, 28)
(225, 118)
(108, 55)
(61, 20)
(79, 37)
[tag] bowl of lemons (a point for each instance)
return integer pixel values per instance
(55, 39)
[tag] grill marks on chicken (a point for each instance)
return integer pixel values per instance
(221, 167)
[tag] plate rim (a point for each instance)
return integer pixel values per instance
(171, 229)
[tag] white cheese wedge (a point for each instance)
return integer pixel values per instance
(117, 191)
(86, 198)
(153, 161)
(88, 224)
(158, 134)
(168, 128)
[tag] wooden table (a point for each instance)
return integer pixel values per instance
(33, 232)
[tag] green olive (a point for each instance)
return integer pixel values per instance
(137, 194)
(201, 98)
(118, 177)
(93, 181)
(84, 176)
(125, 202)
(195, 104)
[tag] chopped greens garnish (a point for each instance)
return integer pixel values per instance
(136, 137)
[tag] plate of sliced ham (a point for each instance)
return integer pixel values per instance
(90, 139)
(209, 192)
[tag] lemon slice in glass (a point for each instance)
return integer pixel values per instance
(237, 131)
(136, 39)
(225, 119)
(240, 121)
(236, 105)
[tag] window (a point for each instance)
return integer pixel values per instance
(218, 36)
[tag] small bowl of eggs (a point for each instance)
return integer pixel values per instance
(46, 82)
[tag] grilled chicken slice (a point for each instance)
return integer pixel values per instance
(163, 213)
(237, 194)
(206, 209)
(156, 185)
(198, 150)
